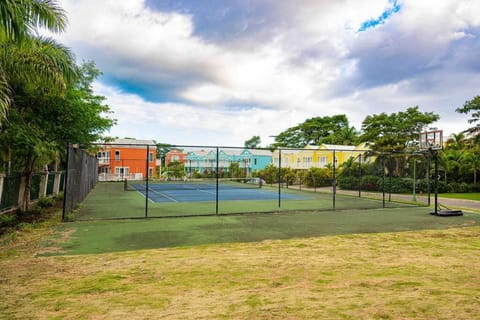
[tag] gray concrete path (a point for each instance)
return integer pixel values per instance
(443, 202)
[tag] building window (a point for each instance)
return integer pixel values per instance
(255, 161)
(150, 172)
(322, 161)
(150, 156)
(117, 155)
(122, 171)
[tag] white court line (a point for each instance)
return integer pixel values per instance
(205, 191)
(163, 195)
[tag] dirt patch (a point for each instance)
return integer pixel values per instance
(54, 243)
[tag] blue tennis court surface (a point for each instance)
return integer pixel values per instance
(180, 193)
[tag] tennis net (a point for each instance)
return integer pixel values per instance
(195, 184)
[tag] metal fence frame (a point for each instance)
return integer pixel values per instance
(81, 178)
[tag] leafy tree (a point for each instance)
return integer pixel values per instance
(269, 174)
(450, 162)
(471, 160)
(472, 107)
(393, 132)
(313, 131)
(40, 125)
(176, 169)
(253, 142)
(235, 171)
(289, 176)
(457, 141)
(162, 150)
(346, 136)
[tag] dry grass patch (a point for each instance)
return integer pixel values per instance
(407, 275)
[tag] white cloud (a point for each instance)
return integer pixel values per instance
(312, 63)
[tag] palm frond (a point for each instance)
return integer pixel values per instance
(21, 18)
(5, 94)
(39, 62)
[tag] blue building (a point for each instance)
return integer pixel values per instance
(205, 161)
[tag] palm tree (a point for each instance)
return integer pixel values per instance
(19, 20)
(450, 160)
(39, 62)
(472, 163)
(347, 136)
(456, 141)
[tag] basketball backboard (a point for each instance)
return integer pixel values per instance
(431, 140)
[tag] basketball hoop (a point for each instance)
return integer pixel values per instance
(431, 140)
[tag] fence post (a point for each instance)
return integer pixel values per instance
(334, 180)
(56, 183)
(383, 180)
(216, 182)
(390, 173)
(21, 193)
(146, 183)
(428, 180)
(360, 176)
(43, 185)
(279, 177)
(2, 178)
(65, 181)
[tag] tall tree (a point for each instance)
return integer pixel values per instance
(313, 131)
(472, 107)
(393, 132)
(471, 161)
(253, 142)
(40, 125)
(457, 141)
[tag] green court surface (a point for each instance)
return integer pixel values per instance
(110, 201)
(88, 237)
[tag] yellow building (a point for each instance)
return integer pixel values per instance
(317, 156)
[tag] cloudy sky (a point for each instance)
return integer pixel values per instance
(214, 72)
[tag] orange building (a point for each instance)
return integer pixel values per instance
(175, 155)
(127, 159)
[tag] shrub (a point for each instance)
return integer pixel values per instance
(371, 183)
(398, 185)
(348, 182)
(46, 202)
(318, 177)
(458, 187)
(59, 196)
(7, 220)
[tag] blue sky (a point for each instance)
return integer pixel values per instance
(218, 72)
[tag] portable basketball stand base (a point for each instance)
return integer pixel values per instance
(446, 212)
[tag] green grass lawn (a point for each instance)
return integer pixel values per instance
(466, 196)
(84, 237)
(422, 274)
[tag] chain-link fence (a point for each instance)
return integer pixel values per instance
(210, 180)
(80, 177)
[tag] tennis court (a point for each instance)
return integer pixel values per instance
(201, 190)
(110, 200)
